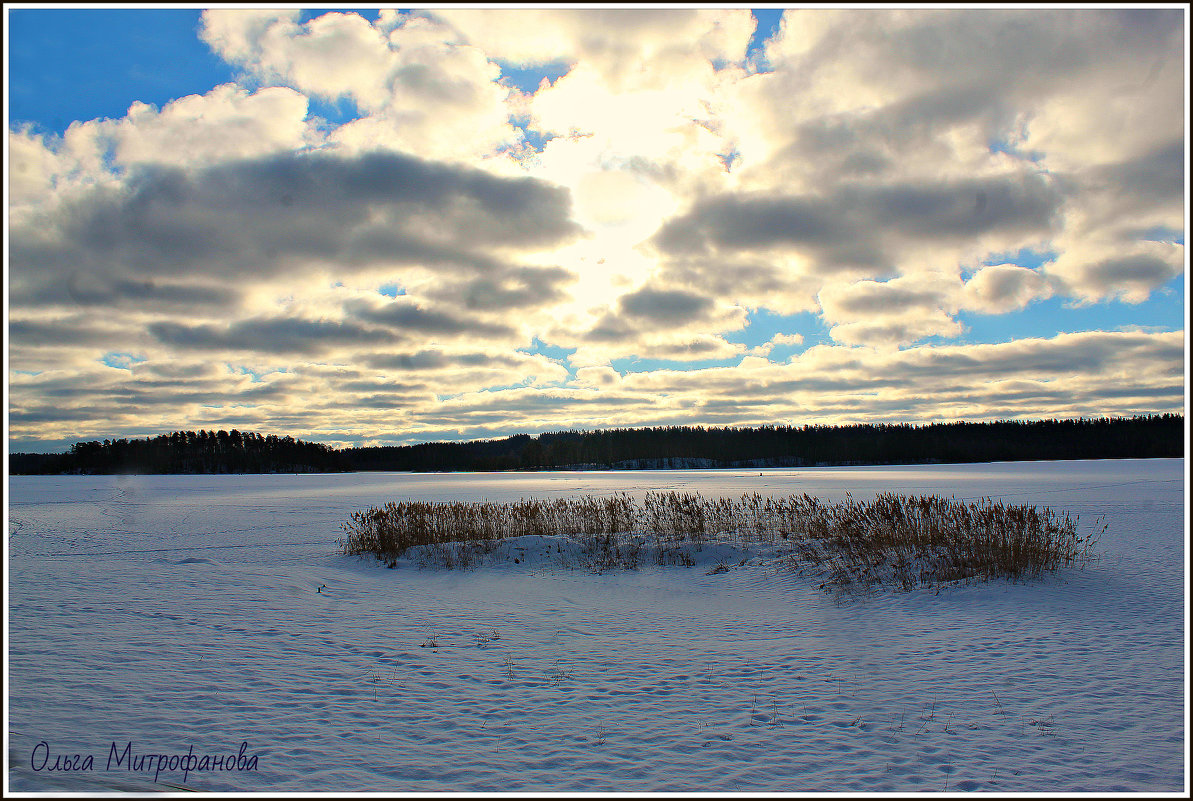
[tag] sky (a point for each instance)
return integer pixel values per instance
(371, 227)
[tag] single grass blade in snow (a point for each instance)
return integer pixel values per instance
(895, 541)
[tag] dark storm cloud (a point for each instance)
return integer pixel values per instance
(266, 216)
(275, 335)
(857, 225)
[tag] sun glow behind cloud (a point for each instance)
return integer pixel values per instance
(383, 228)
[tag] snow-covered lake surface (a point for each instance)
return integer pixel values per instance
(202, 612)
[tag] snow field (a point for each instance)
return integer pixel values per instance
(204, 611)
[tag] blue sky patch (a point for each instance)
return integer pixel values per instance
(1025, 257)
(148, 55)
(308, 14)
(762, 325)
(528, 79)
(645, 364)
(1047, 318)
(337, 112)
(538, 347)
(255, 376)
(121, 361)
(769, 20)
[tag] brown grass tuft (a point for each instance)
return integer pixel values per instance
(894, 540)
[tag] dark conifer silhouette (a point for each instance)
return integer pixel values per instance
(188, 452)
(794, 446)
(234, 451)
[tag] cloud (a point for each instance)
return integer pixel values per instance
(229, 122)
(421, 90)
(279, 335)
(659, 323)
(665, 306)
(276, 216)
(405, 318)
(894, 332)
(32, 167)
(972, 76)
(1130, 277)
(506, 289)
(914, 307)
(1089, 373)
(620, 42)
(875, 298)
(1001, 288)
(890, 313)
(866, 101)
(601, 377)
(437, 359)
(1089, 361)
(882, 172)
(75, 330)
(778, 340)
(866, 226)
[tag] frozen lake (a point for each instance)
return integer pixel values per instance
(180, 612)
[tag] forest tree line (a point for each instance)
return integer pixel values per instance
(188, 452)
(1149, 436)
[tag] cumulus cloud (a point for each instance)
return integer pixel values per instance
(407, 319)
(673, 324)
(1106, 249)
(421, 90)
(1002, 288)
(935, 376)
(866, 226)
(643, 45)
(948, 82)
(228, 122)
(279, 335)
(890, 313)
(506, 289)
(279, 216)
(221, 259)
(598, 376)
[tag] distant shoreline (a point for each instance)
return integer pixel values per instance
(660, 448)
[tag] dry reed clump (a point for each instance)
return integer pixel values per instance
(905, 542)
(894, 540)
